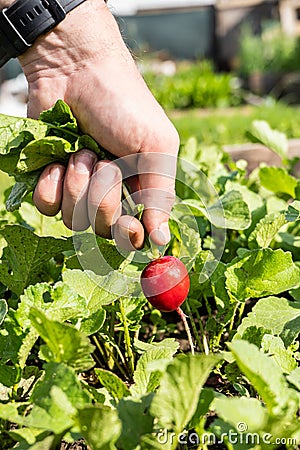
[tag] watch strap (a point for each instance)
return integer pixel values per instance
(25, 20)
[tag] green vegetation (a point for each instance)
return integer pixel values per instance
(194, 86)
(227, 126)
(83, 355)
(272, 51)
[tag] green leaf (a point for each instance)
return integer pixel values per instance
(56, 398)
(62, 376)
(189, 238)
(266, 230)
(93, 323)
(85, 141)
(9, 412)
(253, 334)
(218, 287)
(100, 426)
(65, 344)
(260, 131)
(178, 395)
(294, 378)
(134, 311)
(231, 211)
(274, 347)
(205, 399)
(9, 375)
(168, 343)
(112, 383)
(11, 339)
(23, 259)
(276, 314)
(60, 115)
(94, 253)
(235, 411)
(277, 179)
(146, 379)
(95, 289)
(41, 152)
(33, 439)
(27, 145)
(293, 212)
(253, 200)
(136, 420)
(260, 273)
(15, 133)
(57, 303)
(24, 185)
(57, 416)
(154, 441)
(265, 376)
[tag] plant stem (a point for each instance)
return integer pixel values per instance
(187, 328)
(115, 360)
(127, 340)
(99, 347)
(208, 307)
(236, 307)
(128, 198)
(241, 312)
(204, 338)
(195, 331)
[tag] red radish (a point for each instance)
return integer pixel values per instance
(165, 283)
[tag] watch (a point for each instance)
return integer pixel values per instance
(25, 20)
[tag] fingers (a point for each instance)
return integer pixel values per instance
(88, 193)
(128, 233)
(157, 180)
(75, 191)
(48, 191)
(104, 197)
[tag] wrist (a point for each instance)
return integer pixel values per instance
(86, 34)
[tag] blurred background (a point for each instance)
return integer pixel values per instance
(214, 65)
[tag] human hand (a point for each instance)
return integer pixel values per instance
(85, 62)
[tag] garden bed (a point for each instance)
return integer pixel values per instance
(86, 361)
(255, 154)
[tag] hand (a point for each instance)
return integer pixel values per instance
(85, 62)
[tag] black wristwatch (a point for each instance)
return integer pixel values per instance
(25, 20)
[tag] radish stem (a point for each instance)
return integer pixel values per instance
(187, 328)
(127, 340)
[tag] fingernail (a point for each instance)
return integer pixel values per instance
(55, 174)
(125, 233)
(161, 235)
(84, 161)
(106, 173)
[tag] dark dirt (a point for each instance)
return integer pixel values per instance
(78, 445)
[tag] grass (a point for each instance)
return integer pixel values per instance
(228, 126)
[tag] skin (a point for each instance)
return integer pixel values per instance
(85, 62)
